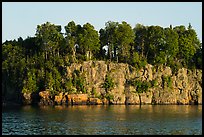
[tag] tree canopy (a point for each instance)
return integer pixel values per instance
(39, 63)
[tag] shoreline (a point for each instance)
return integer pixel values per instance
(14, 104)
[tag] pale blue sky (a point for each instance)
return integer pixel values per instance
(22, 18)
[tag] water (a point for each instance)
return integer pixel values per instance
(103, 120)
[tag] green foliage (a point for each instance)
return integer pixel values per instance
(155, 42)
(49, 37)
(109, 96)
(171, 47)
(13, 64)
(30, 84)
(57, 79)
(142, 86)
(108, 84)
(89, 41)
(188, 44)
(50, 83)
(108, 37)
(140, 37)
(39, 63)
(197, 58)
(79, 81)
(142, 63)
(167, 80)
(137, 61)
(125, 36)
(68, 85)
(93, 92)
(154, 83)
(175, 66)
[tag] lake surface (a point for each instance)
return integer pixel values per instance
(103, 120)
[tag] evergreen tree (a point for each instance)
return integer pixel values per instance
(125, 36)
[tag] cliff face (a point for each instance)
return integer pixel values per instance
(183, 87)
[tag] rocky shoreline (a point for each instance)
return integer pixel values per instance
(185, 89)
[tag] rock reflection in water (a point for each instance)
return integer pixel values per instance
(103, 120)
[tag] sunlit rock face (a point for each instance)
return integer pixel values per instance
(183, 87)
(27, 100)
(45, 98)
(186, 85)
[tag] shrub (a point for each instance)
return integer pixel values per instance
(93, 92)
(79, 81)
(142, 86)
(168, 80)
(109, 96)
(108, 84)
(154, 83)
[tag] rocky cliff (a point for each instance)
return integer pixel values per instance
(182, 87)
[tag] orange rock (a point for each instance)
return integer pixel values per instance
(44, 94)
(77, 99)
(95, 101)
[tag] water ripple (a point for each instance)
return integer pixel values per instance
(108, 120)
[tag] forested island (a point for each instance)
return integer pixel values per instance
(116, 65)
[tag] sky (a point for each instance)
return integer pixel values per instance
(20, 19)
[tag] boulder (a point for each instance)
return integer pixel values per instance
(77, 99)
(27, 98)
(146, 98)
(59, 98)
(95, 101)
(45, 98)
(132, 99)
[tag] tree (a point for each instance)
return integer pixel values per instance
(170, 48)
(50, 38)
(79, 81)
(125, 36)
(50, 83)
(30, 84)
(89, 41)
(103, 44)
(155, 42)
(58, 79)
(109, 38)
(13, 63)
(197, 58)
(71, 39)
(108, 84)
(40, 62)
(188, 44)
(31, 47)
(140, 37)
(139, 48)
(142, 86)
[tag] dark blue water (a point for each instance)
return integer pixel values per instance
(103, 120)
